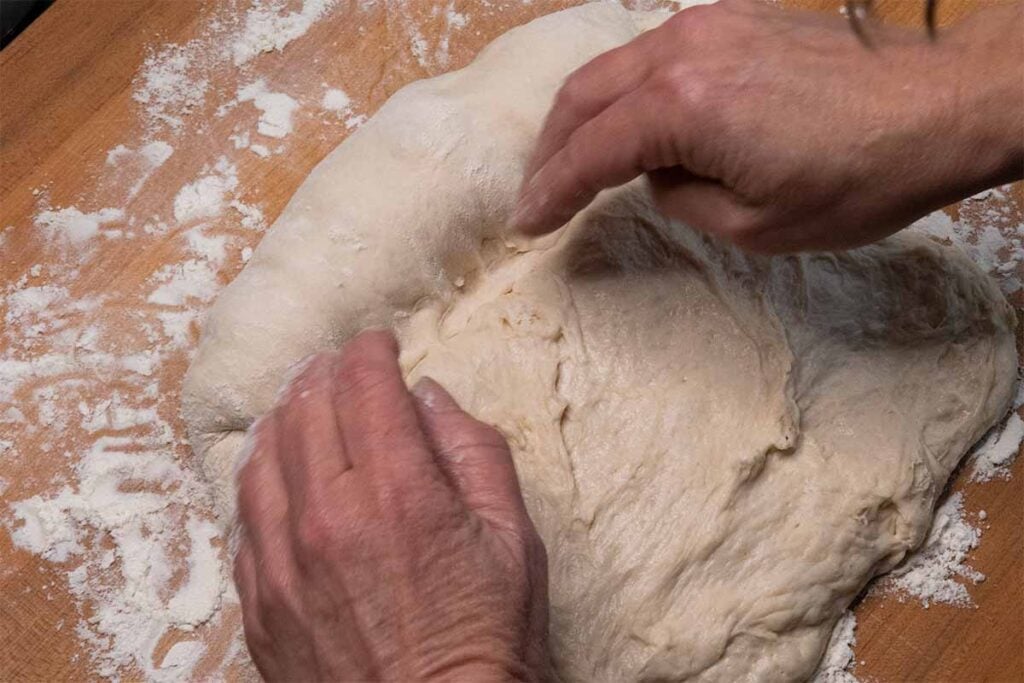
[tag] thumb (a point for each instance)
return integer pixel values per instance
(704, 204)
(474, 456)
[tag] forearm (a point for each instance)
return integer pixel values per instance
(990, 99)
(947, 115)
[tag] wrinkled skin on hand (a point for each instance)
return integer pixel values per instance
(383, 534)
(780, 131)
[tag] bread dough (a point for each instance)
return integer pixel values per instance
(719, 450)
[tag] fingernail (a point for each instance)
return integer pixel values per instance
(425, 390)
(432, 395)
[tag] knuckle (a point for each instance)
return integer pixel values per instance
(685, 87)
(370, 342)
(340, 531)
(742, 228)
(401, 498)
(584, 86)
(408, 514)
(474, 438)
(308, 374)
(314, 533)
(593, 73)
(359, 375)
(322, 527)
(571, 95)
(692, 21)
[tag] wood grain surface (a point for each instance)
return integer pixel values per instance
(66, 99)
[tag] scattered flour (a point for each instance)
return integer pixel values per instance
(38, 311)
(29, 301)
(243, 141)
(167, 87)
(181, 659)
(129, 522)
(70, 225)
(989, 232)
(252, 217)
(835, 665)
(191, 281)
(176, 327)
(239, 140)
(269, 28)
(930, 575)
(276, 109)
(181, 282)
(336, 100)
(260, 150)
(153, 154)
(175, 80)
(143, 524)
(995, 455)
(212, 248)
(420, 48)
(453, 21)
(142, 162)
(339, 103)
(207, 196)
(115, 413)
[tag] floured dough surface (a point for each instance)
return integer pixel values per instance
(718, 450)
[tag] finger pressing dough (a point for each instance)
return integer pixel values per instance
(719, 450)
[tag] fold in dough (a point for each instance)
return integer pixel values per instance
(718, 450)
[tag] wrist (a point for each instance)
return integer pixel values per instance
(989, 97)
(959, 100)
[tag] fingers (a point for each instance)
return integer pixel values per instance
(256, 637)
(626, 139)
(313, 453)
(247, 581)
(264, 550)
(375, 411)
(262, 495)
(473, 455)
(587, 92)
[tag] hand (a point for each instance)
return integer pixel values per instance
(383, 534)
(780, 131)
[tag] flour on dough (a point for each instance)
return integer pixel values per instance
(719, 450)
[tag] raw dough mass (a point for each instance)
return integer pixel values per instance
(719, 450)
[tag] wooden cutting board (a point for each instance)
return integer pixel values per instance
(66, 91)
